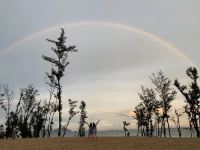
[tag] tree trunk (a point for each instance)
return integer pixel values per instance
(179, 127)
(195, 123)
(66, 128)
(161, 130)
(141, 128)
(64, 132)
(147, 128)
(197, 130)
(138, 130)
(191, 134)
(49, 132)
(158, 129)
(59, 107)
(179, 130)
(151, 128)
(168, 127)
(164, 129)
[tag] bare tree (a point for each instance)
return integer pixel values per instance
(38, 118)
(148, 97)
(58, 69)
(158, 120)
(25, 109)
(51, 106)
(187, 111)
(72, 113)
(6, 99)
(52, 110)
(140, 116)
(176, 120)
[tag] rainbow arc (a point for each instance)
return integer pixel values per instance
(159, 40)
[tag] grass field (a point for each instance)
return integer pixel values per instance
(102, 143)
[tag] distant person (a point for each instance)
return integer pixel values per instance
(124, 127)
(75, 133)
(14, 133)
(90, 130)
(1, 132)
(94, 125)
(128, 134)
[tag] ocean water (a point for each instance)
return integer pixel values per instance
(119, 133)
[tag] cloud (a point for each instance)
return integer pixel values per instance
(109, 120)
(111, 64)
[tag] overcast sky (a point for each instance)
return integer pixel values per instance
(112, 62)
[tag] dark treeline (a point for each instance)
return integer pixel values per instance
(31, 118)
(152, 113)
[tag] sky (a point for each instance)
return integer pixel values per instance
(120, 44)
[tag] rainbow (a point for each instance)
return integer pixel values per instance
(161, 41)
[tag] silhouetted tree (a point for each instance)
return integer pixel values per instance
(167, 94)
(25, 109)
(57, 72)
(51, 106)
(192, 95)
(148, 97)
(176, 121)
(83, 116)
(72, 113)
(158, 120)
(52, 110)
(38, 119)
(6, 99)
(14, 121)
(140, 116)
(187, 111)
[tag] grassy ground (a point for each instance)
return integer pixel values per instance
(102, 143)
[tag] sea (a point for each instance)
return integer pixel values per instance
(185, 132)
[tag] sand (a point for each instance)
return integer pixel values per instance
(102, 143)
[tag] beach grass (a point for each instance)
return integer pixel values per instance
(101, 143)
